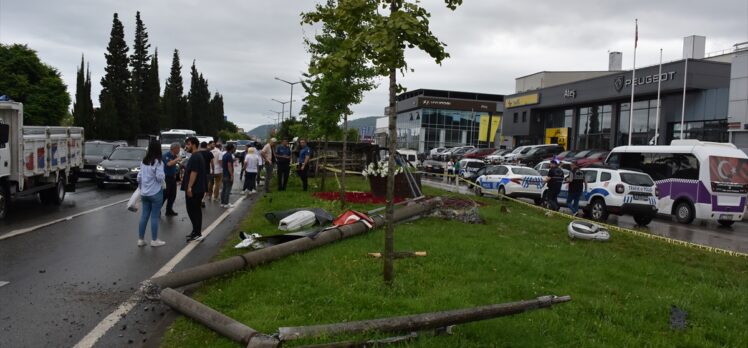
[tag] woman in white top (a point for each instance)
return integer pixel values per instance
(251, 167)
(150, 182)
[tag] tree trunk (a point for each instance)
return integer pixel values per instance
(345, 151)
(389, 240)
(324, 171)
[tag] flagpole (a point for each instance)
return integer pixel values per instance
(657, 118)
(683, 106)
(633, 82)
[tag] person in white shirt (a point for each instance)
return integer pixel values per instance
(217, 172)
(251, 167)
(268, 156)
(150, 182)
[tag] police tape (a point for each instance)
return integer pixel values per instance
(606, 225)
(337, 171)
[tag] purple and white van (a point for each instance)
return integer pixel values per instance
(695, 179)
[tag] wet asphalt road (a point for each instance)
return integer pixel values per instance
(65, 278)
(734, 238)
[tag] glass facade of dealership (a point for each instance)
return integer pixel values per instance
(430, 118)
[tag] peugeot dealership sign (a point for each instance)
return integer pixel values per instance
(620, 81)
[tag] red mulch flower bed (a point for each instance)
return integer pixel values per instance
(355, 197)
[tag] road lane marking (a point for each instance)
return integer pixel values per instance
(3, 283)
(113, 318)
(56, 221)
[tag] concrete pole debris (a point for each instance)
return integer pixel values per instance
(258, 257)
(216, 321)
(421, 321)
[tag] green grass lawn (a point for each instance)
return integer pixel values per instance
(621, 290)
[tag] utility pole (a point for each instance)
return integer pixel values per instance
(283, 107)
(290, 107)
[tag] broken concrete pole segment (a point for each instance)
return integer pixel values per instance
(255, 258)
(421, 321)
(216, 321)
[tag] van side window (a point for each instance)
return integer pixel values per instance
(682, 166)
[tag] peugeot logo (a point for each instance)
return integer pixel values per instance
(618, 83)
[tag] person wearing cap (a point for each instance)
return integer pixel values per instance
(554, 181)
(268, 156)
(577, 185)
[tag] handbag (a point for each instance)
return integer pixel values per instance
(134, 203)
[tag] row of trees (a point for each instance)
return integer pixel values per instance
(130, 99)
(357, 43)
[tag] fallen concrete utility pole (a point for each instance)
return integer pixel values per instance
(423, 321)
(216, 321)
(258, 257)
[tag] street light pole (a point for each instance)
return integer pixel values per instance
(290, 107)
(283, 107)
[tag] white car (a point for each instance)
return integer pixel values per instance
(615, 191)
(512, 181)
(495, 158)
(544, 166)
(517, 151)
(469, 167)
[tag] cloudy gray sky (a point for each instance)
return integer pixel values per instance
(240, 46)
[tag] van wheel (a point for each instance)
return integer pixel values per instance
(726, 223)
(598, 210)
(642, 220)
(4, 202)
(684, 212)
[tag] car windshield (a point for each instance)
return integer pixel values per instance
(525, 150)
(637, 179)
(98, 149)
(566, 154)
(173, 138)
(521, 148)
(524, 171)
(123, 154)
(472, 164)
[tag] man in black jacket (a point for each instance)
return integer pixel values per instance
(554, 180)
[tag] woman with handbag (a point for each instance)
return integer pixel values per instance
(150, 182)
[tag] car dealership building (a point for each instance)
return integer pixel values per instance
(592, 109)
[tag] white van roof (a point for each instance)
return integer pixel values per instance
(699, 147)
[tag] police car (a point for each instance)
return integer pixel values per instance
(512, 181)
(615, 191)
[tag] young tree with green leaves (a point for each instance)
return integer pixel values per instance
(382, 40)
(333, 84)
(117, 122)
(26, 79)
(173, 103)
(83, 111)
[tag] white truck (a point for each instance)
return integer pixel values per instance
(36, 159)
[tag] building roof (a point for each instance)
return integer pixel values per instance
(450, 94)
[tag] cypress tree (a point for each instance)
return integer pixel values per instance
(151, 102)
(83, 107)
(199, 100)
(115, 98)
(216, 122)
(140, 63)
(173, 102)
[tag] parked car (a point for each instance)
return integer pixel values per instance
(509, 157)
(469, 167)
(616, 191)
(513, 181)
(435, 151)
(496, 156)
(446, 155)
(564, 155)
(434, 166)
(544, 166)
(593, 159)
(94, 152)
(457, 154)
(582, 154)
(479, 153)
(537, 154)
(121, 167)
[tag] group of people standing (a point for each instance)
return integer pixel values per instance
(209, 175)
(577, 185)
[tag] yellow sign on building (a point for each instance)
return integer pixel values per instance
(557, 136)
(483, 130)
(528, 99)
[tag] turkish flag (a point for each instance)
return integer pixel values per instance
(728, 169)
